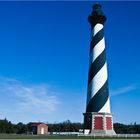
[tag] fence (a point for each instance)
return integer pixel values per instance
(128, 135)
(115, 136)
(97, 135)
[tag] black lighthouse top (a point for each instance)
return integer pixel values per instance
(97, 15)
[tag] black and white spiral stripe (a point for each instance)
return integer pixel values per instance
(97, 94)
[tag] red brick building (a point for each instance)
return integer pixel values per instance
(39, 129)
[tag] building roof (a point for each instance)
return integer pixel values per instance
(37, 123)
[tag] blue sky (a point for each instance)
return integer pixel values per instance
(44, 55)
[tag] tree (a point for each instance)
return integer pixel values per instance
(6, 126)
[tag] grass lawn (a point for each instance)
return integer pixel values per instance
(26, 137)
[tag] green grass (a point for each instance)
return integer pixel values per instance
(26, 137)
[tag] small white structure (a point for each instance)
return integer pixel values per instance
(86, 131)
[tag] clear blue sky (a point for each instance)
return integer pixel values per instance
(44, 55)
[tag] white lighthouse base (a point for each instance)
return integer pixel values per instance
(102, 133)
(99, 123)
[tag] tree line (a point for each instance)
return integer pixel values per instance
(66, 126)
(127, 129)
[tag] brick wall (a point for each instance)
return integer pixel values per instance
(98, 123)
(41, 127)
(108, 123)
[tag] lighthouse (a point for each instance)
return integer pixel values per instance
(98, 118)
